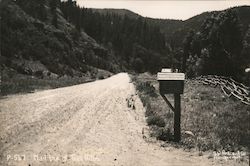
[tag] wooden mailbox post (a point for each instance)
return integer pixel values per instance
(173, 83)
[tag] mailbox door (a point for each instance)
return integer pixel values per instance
(171, 86)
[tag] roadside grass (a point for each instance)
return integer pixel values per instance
(13, 82)
(209, 120)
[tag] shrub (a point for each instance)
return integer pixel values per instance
(100, 77)
(39, 74)
(149, 110)
(147, 88)
(156, 120)
(164, 134)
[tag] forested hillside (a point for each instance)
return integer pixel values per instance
(140, 45)
(220, 46)
(67, 39)
(209, 43)
(37, 33)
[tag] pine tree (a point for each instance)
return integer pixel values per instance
(53, 5)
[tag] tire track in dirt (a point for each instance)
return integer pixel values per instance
(64, 110)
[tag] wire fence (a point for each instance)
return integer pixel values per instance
(228, 86)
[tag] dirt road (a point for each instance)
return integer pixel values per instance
(87, 124)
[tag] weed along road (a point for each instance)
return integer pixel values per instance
(86, 124)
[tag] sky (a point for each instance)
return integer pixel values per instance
(165, 9)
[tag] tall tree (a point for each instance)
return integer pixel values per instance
(187, 49)
(53, 6)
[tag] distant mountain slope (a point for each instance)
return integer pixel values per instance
(120, 12)
(175, 30)
(138, 45)
(195, 23)
(167, 25)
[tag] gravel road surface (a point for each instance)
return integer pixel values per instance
(86, 124)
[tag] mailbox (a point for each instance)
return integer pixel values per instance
(171, 83)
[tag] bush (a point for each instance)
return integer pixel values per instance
(100, 77)
(147, 88)
(163, 134)
(39, 74)
(149, 110)
(156, 120)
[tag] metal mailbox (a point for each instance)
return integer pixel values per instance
(171, 83)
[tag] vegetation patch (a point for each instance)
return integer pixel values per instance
(209, 119)
(13, 82)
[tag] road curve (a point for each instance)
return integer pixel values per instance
(86, 124)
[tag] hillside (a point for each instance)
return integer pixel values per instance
(196, 22)
(49, 39)
(210, 43)
(175, 30)
(59, 49)
(41, 49)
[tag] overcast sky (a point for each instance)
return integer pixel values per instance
(165, 9)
